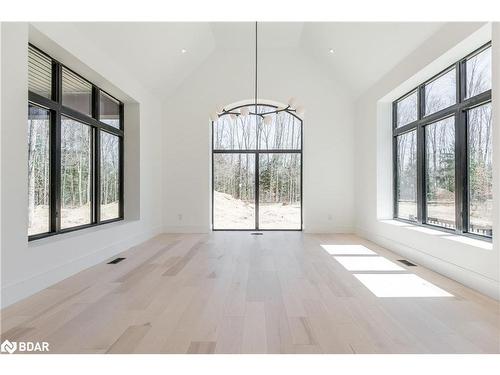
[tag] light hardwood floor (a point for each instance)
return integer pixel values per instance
(231, 292)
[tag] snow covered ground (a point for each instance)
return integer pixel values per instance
(231, 213)
(481, 214)
(70, 217)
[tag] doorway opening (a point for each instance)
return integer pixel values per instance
(257, 170)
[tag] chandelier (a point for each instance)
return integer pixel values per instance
(267, 118)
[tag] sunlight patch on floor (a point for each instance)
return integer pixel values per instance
(400, 285)
(347, 250)
(356, 263)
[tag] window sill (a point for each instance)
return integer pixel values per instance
(468, 241)
(73, 232)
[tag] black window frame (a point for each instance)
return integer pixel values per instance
(459, 111)
(257, 151)
(57, 110)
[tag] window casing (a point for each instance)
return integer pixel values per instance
(76, 157)
(445, 131)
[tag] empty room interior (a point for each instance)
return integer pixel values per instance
(250, 187)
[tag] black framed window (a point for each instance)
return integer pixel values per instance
(442, 149)
(76, 173)
(110, 176)
(441, 92)
(109, 110)
(38, 170)
(76, 92)
(407, 109)
(480, 169)
(407, 172)
(440, 173)
(257, 170)
(75, 150)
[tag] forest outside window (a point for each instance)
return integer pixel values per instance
(257, 171)
(407, 172)
(440, 173)
(110, 176)
(442, 147)
(75, 150)
(38, 170)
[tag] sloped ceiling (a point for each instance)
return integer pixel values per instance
(362, 52)
(151, 51)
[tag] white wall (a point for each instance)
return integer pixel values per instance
(472, 262)
(227, 77)
(346, 160)
(29, 267)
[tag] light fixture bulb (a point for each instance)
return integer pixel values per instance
(331, 50)
(292, 102)
(233, 116)
(267, 120)
(220, 109)
(300, 110)
(245, 111)
(183, 50)
(214, 116)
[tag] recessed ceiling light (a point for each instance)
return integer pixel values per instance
(183, 50)
(330, 50)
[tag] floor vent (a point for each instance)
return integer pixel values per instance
(116, 260)
(256, 233)
(407, 263)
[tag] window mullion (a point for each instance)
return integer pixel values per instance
(256, 193)
(121, 178)
(460, 152)
(122, 162)
(421, 157)
(96, 175)
(461, 178)
(395, 202)
(56, 139)
(421, 174)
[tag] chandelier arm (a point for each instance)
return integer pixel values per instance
(262, 114)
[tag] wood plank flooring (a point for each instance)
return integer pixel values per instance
(230, 292)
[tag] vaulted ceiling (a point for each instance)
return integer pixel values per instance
(162, 55)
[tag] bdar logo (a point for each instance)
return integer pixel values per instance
(24, 346)
(8, 347)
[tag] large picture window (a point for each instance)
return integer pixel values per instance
(38, 170)
(76, 173)
(407, 173)
(257, 171)
(480, 169)
(440, 173)
(442, 149)
(75, 148)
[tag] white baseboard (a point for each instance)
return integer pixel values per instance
(15, 292)
(333, 230)
(203, 229)
(185, 229)
(471, 279)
